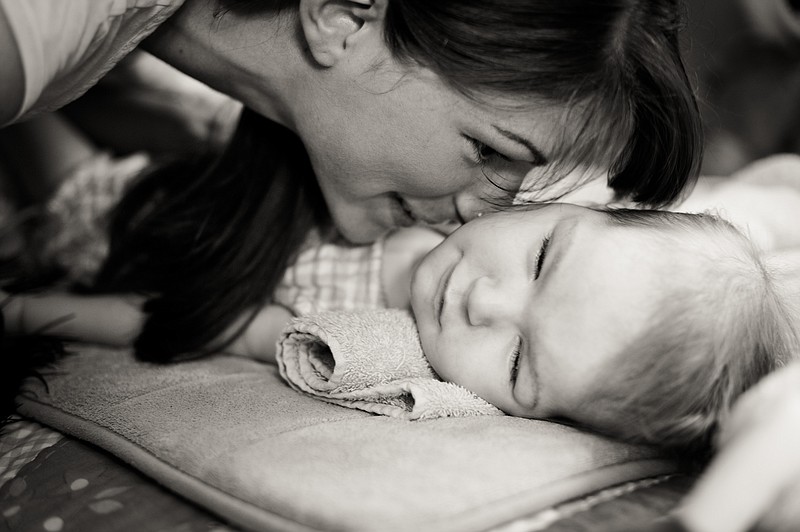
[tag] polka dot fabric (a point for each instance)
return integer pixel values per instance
(22, 440)
(70, 486)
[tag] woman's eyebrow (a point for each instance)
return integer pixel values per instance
(538, 156)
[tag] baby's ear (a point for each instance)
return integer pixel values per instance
(332, 28)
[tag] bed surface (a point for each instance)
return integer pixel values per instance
(48, 477)
(228, 435)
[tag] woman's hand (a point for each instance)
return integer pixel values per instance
(259, 340)
(755, 477)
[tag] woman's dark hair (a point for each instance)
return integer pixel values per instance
(616, 63)
(213, 239)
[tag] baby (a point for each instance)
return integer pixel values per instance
(644, 325)
(641, 324)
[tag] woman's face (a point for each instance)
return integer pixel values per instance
(527, 308)
(393, 147)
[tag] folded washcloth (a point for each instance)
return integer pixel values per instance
(371, 360)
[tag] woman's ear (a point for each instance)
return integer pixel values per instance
(333, 27)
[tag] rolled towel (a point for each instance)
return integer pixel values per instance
(371, 360)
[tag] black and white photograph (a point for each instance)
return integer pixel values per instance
(400, 265)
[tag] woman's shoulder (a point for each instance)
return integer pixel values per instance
(65, 47)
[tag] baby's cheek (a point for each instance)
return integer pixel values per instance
(438, 359)
(433, 357)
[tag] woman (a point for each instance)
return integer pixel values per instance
(320, 69)
(404, 112)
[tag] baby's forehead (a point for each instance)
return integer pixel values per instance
(703, 235)
(672, 257)
(689, 270)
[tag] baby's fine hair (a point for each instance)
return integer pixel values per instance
(721, 325)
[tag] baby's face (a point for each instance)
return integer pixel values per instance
(525, 308)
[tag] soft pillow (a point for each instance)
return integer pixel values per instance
(229, 434)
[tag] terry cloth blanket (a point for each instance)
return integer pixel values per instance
(371, 360)
(228, 433)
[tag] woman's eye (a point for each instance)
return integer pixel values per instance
(485, 153)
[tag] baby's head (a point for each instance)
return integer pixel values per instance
(720, 324)
(643, 325)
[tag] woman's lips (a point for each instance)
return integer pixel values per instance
(426, 215)
(403, 215)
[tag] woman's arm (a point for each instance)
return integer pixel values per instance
(107, 319)
(259, 340)
(117, 319)
(144, 104)
(755, 477)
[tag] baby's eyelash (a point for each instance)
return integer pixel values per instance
(515, 358)
(540, 257)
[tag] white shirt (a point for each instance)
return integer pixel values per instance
(66, 46)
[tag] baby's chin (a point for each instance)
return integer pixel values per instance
(433, 361)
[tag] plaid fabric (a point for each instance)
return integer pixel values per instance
(333, 276)
(72, 234)
(22, 440)
(327, 275)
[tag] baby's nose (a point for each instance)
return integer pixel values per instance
(488, 302)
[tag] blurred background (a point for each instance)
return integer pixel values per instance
(744, 56)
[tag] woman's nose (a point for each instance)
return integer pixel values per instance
(469, 207)
(488, 302)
